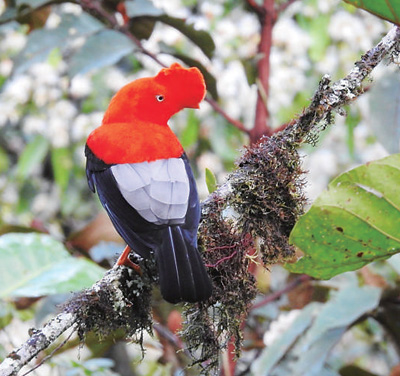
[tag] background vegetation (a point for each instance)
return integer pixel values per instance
(60, 63)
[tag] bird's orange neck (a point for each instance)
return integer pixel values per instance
(126, 143)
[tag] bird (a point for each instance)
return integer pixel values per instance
(144, 181)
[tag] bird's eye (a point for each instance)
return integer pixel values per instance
(160, 97)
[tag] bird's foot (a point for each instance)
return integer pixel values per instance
(125, 260)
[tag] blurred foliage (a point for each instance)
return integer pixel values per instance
(59, 67)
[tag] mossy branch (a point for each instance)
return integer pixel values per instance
(254, 210)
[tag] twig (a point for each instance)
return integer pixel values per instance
(277, 294)
(332, 97)
(258, 9)
(50, 355)
(239, 125)
(267, 22)
(281, 8)
(39, 341)
(172, 338)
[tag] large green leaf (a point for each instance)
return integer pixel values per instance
(61, 161)
(386, 9)
(145, 8)
(33, 265)
(140, 8)
(31, 3)
(354, 222)
(42, 41)
(200, 38)
(104, 48)
(305, 343)
(9, 14)
(273, 353)
(38, 47)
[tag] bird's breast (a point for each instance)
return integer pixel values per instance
(122, 143)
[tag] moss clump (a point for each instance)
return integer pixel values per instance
(259, 204)
(121, 300)
(267, 195)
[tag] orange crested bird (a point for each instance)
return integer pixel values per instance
(144, 181)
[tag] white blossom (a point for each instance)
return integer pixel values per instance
(34, 124)
(80, 87)
(18, 89)
(83, 124)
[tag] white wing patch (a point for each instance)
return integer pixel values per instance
(159, 190)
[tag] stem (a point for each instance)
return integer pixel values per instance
(277, 294)
(267, 21)
(239, 125)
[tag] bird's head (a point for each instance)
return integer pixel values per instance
(156, 99)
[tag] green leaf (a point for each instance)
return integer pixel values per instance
(139, 8)
(142, 27)
(30, 3)
(386, 9)
(33, 265)
(343, 308)
(200, 38)
(273, 353)
(38, 46)
(303, 346)
(41, 42)
(62, 164)
(355, 222)
(104, 48)
(384, 115)
(310, 361)
(32, 156)
(4, 160)
(352, 370)
(211, 181)
(8, 15)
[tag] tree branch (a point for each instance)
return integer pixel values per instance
(277, 294)
(267, 21)
(39, 340)
(92, 309)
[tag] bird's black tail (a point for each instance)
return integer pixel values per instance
(182, 273)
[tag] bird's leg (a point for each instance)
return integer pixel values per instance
(124, 260)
